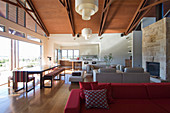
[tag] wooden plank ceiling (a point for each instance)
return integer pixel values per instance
(56, 18)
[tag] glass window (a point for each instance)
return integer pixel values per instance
(12, 12)
(29, 54)
(2, 9)
(21, 15)
(17, 33)
(59, 54)
(56, 56)
(30, 23)
(33, 38)
(70, 54)
(5, 56)
(2, 28)
(76, 53)
(64, 54)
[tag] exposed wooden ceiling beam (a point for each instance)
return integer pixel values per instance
(136, 19)
(28, 13)
(18, 4)
(108, 5)
(69, 12)
(131, 29)
(38, 17)
(62, 2)
(154, 4)
(15, 4)
(135, 15)
(104, 17)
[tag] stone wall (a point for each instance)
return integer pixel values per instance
(168, 47)
(155, 46)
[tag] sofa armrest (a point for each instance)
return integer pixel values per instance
(73, 102)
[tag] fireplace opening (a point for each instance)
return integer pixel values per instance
(153, 68)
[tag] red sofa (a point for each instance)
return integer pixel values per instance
(128, 98)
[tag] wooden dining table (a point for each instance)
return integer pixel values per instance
(39, 70)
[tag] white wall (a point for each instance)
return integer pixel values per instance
(118, 46)
(110, 43)
(88, 49)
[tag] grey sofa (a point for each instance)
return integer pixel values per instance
(104, 75)
(91, 67)
(130, 75)
(135, 75)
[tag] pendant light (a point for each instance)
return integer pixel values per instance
(86, 8)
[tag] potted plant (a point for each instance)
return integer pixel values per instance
(108, 59)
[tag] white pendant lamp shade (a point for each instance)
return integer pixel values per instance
(86, 8)
(86, 32)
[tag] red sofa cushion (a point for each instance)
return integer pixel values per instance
(96, 99)
(73, 102)
(127, 106)
(104, 86)
(129, 91)
(163, 103)
(85, 86)
(158, 90)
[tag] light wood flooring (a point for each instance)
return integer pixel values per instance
(46, 100)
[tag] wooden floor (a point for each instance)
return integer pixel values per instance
(46, 100)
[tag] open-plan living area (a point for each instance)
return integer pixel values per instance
(84, 56)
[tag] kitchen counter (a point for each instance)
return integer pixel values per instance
(90, 62)
(71, 64)
(75, 60)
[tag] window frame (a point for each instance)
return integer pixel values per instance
(3, 27)
(67, 53)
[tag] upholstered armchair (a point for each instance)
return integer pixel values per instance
(22, 76)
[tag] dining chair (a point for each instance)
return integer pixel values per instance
(22, 76)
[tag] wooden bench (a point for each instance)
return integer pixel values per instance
(50, 76)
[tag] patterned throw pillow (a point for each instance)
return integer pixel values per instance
(96, 99)
(107, 86)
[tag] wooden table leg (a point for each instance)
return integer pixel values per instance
(41, 80)
(72, 65)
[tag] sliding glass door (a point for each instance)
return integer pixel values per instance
(16, 55)
(29, 54)
(5, 59)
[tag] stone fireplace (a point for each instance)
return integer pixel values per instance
(153, 68)
(156, 46)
